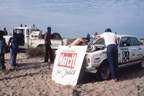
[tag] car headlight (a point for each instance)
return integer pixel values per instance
(88, 60)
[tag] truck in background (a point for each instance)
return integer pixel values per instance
(32, 37)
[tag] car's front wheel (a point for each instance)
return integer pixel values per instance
(104, 71)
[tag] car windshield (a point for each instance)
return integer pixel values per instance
(100, 45)
(101, 42)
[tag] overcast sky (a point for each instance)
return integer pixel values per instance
(75, 18)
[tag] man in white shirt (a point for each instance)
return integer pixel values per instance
(112, 51)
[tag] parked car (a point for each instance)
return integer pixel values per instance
(130, 52)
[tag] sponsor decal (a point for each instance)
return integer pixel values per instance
(65, 72)
(96, 60)
(67, 60)
(124, 49)
(125, 56)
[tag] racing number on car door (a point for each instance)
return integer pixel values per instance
(125, 56)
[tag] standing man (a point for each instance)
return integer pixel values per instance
(2, 52)
(111, 43)
(48, 50)
(13, 49)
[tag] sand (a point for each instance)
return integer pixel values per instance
(33, 78)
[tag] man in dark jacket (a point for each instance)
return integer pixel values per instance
(48, 50)
(13, 49)
(2, 52)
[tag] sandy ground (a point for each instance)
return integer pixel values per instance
(33, 78)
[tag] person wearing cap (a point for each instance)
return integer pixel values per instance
(48, 49)
(111, 43)
(80, 41)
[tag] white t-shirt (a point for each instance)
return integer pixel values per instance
(109, 38)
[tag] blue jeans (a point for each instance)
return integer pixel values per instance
(13, 54)
(112, 55)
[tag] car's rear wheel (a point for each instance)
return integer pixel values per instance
(104, 71)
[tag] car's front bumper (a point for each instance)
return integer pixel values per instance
(90, 69)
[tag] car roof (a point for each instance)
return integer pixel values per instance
(124, 35)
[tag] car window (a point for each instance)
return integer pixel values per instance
(134, 41)
(125, 41)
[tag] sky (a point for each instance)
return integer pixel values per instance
(75, 18)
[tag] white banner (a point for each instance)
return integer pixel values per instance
(68, 63)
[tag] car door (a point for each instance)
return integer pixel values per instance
(20, 37)
(126, 51)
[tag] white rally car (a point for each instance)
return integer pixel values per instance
(130, 52)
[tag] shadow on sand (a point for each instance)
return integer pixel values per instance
(19, 76)
(25, 66)
(128, 73)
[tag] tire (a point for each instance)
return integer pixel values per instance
(104, 71)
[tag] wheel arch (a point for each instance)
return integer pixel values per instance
(101, 69)
(40, 45)
(103, 62)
